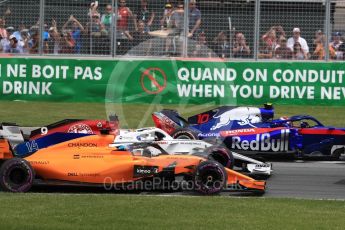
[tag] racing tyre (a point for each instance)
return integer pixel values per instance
(337, 153)
(210, 178)
(184, 133)
(221, 155)
(16, 175)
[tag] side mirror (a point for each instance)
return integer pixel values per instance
(104, 131)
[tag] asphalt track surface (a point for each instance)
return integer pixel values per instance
(312, 180)
(302, 180)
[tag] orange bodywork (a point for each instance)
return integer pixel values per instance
(5, 150)
(90, 160)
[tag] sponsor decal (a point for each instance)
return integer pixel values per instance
(99, 125)
(125, 138)
(262, 166)
(263, 142)
(90, 174)
(80, 128)
(82, 145)
(39, 162)
(93, 156)
(189, 143)
(172, 157)
(162, 142)
(242, 115)
(168, 124)
(249, 131)
(236, 132)
(32, 146)
(205, 135)
(78, 156)
(72, 174)
(141, 171)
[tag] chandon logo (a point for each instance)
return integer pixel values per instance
(82, 145)
(263, 142)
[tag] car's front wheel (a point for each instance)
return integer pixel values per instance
(221, 155)
(210, 178)
(16, 175)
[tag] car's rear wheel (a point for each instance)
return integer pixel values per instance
(221, 155)
(16, 175)
(184, 133)
(210, 178)
(336, 154)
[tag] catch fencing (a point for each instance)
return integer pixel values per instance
(232, 30)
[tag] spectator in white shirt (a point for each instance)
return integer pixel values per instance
(297, 38)
(14, 47)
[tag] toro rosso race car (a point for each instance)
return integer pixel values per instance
(66, 130)
(90, 161)
(251, 130)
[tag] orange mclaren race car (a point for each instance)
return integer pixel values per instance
(91, 161)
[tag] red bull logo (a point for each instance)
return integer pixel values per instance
(263, 142)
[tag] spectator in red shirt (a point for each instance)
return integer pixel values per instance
(67, 43)
(124, 14)
(3, 32)
(76, 31)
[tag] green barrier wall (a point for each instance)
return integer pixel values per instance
(172, 81)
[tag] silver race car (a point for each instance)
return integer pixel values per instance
(164, 142)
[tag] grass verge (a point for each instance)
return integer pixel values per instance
(109, 211)
(135, 115)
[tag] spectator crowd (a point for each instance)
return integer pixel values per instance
(128, 28)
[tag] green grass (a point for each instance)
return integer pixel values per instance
(132, 116)
(52, 211)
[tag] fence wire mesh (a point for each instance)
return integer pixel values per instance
(237, 29)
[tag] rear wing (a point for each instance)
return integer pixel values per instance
(12, 133)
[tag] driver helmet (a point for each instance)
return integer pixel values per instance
(284, 118)
(255, 119)
(304, 124)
